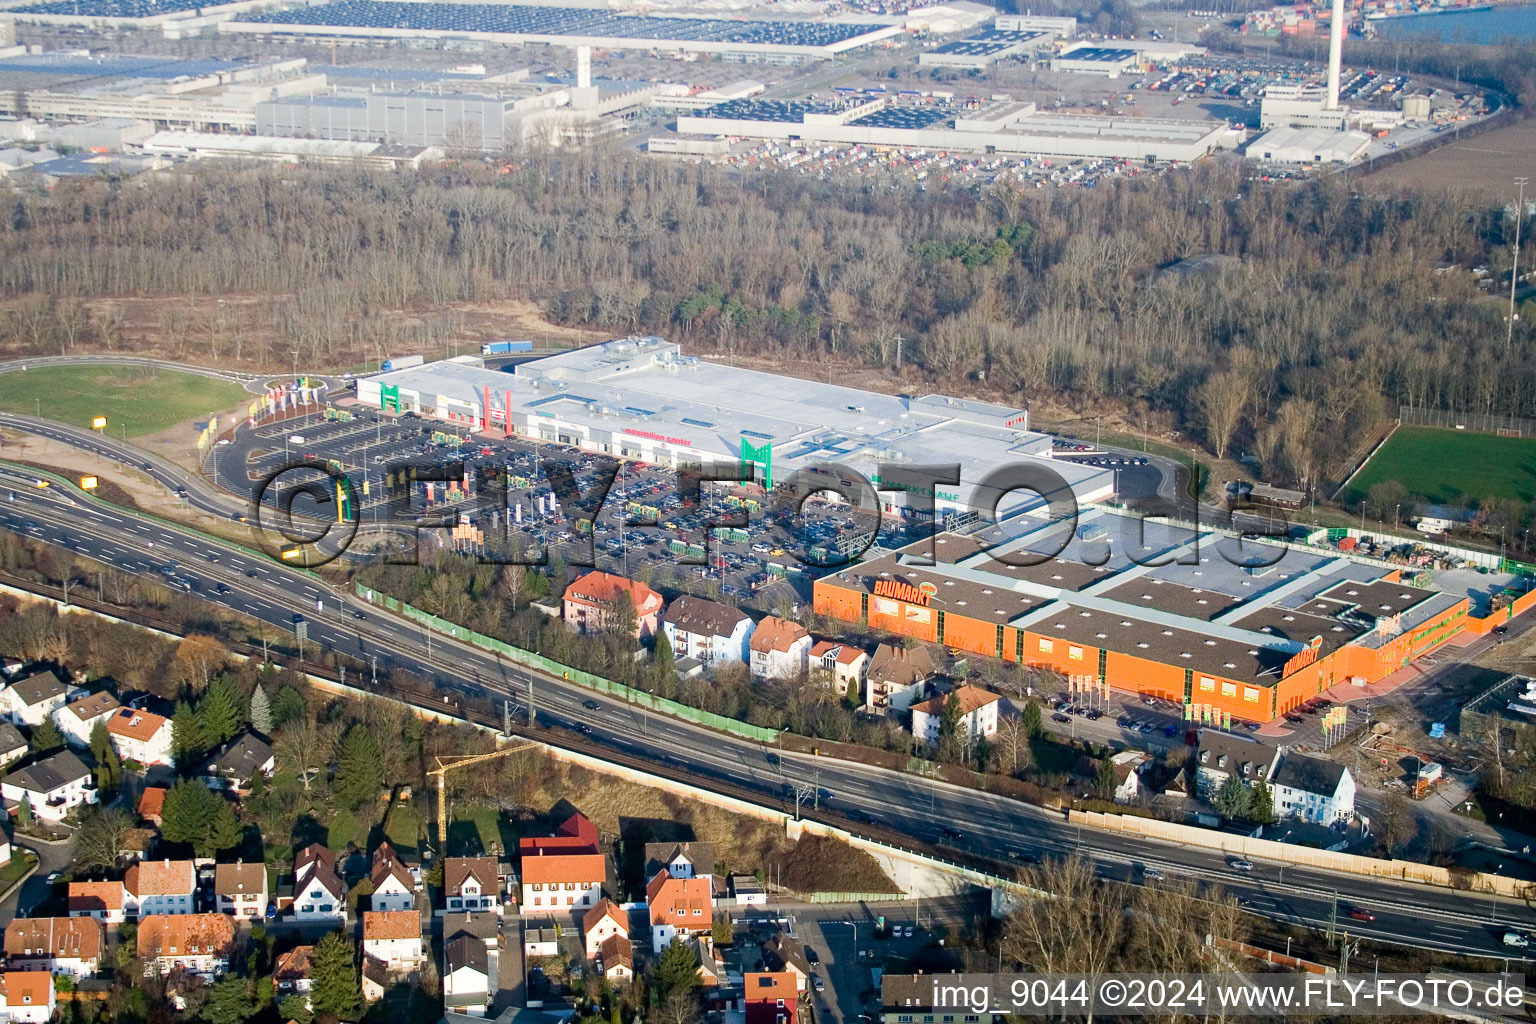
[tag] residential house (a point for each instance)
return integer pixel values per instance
(466, 976)
(319, 894)
(559, 883)
(895, 677)
(78, 719)
(779, 649)
(1312, 789)
(1127, 783)
(679, 907)
(141, 736)
(978, 714)
(160, 887)
(26, 997)
(616, 959)
(102, 900)
(292, 974)
(602, 922)
(472, 883)
(588, 601)
(234, 765)
(680, 860)
(152, 804)
(393, 886)
(769, 997)
(30, 700)
(241, 889)
(1222, 756)
(375, 979)
(196, 943)
(840, 666)
(909, 998)
(783, 954)
(61, 945)
(576, 834)
(52, 787)
(711, 972)
(711, 632)
(13, 745)
(1128, 763)
(540, 942)
(394, 937)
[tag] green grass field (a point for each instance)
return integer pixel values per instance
(1453, 467)
(138, 400)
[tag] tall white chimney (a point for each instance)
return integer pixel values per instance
(584, 66)
(1335, 55)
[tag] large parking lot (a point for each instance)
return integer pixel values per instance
(505, 489)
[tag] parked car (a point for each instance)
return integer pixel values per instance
(1059, 717)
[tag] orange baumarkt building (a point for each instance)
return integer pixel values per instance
(1196, 622)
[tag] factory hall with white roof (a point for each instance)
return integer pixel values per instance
(643, 399)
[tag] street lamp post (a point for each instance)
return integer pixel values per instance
(1514, 269)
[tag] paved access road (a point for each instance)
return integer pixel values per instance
(921, 809)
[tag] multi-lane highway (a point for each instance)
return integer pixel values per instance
(927, 811)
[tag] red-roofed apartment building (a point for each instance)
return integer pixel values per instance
(602, 922)
(587, 602)
(101, 900)
(978, 714)
(472, 883)
(26, 997)
(140, 736)
(160, 887)
(679, 907)
(770, 998)
(780, 649)
(555, 882)
(62, 945)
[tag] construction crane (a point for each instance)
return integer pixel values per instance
(453, 763)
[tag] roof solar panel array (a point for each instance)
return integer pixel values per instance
(519, 19)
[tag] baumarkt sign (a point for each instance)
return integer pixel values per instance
(902, 591)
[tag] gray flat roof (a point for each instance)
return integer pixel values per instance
(647, 389)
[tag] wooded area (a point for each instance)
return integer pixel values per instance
(1333, 310)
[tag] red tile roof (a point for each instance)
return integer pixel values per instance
(186, 934)
(95, 897)
(60, 937)
(776, 634)
(136, 725)
(680, 901)
(160, 878)
(971, 698)
(603, 588)
(605, 908)
(544, 868)
(391, 924)
(26, 988)
(576, 834)
(152, 802)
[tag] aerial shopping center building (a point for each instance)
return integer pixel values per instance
(1179, 621)
(642, 398)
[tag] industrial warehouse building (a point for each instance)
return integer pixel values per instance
(982, 49)
(517, 24)
(1002, 127)
(1188, 626)
(641, 398)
